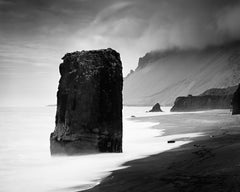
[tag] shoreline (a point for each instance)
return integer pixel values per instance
(208, 163)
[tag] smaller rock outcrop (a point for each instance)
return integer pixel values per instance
(156, 108)
(236, 102)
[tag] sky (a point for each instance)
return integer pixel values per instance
(36, 34)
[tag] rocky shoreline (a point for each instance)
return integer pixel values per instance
(209, 163)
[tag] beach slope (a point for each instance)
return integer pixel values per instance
(209, 163)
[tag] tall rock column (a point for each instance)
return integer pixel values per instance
(89, 103)
(236, 102)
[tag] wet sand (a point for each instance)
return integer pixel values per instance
(208, 163)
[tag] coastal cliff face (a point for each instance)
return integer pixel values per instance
(210, 99)
(89, 103)
(196, 103)
(236, 102)
(162, 76)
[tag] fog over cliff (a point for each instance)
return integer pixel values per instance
(162, 76)
(35, 34)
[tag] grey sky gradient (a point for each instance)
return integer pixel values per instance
(35, 34)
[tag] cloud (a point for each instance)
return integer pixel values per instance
(109, 12)
(5, 2)
(228, 22)
(145, 25)
(35, 34)
(148, 25)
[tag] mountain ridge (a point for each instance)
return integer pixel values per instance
(162, 76)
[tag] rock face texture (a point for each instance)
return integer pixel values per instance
(156, 108)
(89, 103)
(210, 99)
(236, 102)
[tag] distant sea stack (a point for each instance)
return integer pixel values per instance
(156, 108)
(236, 102)
(89, 103)
(210, 99)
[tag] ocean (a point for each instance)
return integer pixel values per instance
(26, 163)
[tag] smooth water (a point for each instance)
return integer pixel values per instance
(26, 164)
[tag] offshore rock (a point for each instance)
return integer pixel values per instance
(156, 108)
(236, 102)
(89, 103)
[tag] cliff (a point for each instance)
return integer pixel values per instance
(236, 102)
(89, 103)
(162, 76)
(210, 99)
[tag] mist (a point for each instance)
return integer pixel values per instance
(35, 35)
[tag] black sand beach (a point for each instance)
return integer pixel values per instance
(209, 163)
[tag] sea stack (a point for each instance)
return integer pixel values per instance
(236, 102)
(89, 103)
(156, 108)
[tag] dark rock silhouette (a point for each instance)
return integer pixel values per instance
(156, 108)
(89, 103)
(210, 99)
(236, 102)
